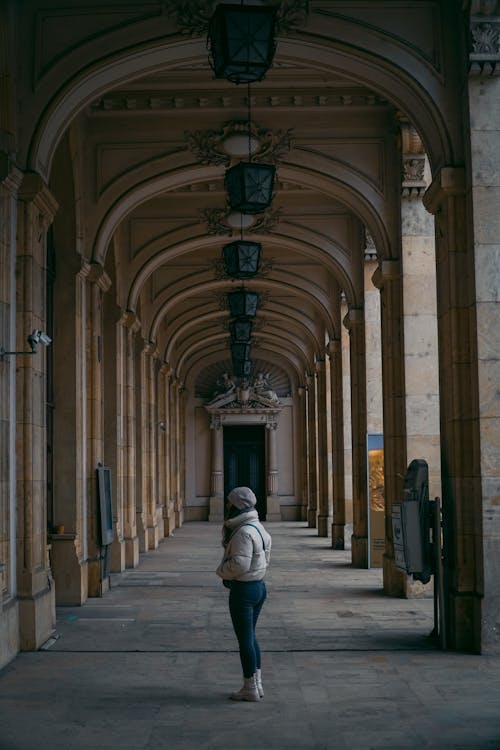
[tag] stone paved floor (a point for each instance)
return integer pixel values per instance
(150, 665)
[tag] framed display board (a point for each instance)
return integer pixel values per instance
(105, 501)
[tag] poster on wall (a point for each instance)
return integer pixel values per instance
(376, 499)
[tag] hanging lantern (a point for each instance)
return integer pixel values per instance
(243, 303)
(241, 329)
(240, 351)
(249, 186)
(241, 42)
(242, 368)
(241, 259)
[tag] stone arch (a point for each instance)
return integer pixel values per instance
(412, 83)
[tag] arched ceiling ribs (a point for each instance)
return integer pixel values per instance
(281, 337)
(333, 184)
(414, 89)
(190, 322)
(177, 293)
(183, 329)
(201, 348)
(193, 244)
(76, 90)
(410, 83)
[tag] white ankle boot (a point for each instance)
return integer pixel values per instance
(258, 680)
(249, 691)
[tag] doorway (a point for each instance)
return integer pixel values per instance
(244, 462)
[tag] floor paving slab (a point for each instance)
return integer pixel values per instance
(151, 664)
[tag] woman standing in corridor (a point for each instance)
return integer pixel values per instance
(247, 551)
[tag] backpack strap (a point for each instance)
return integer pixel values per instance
(258, 530)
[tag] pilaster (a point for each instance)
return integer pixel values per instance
(324, 464)
(484, 98)
(216, 512)
(35, 590)
(388, 279)
(97, 283)
(355, 323)
(273, 512)
(128, 327)
(447, 198)
(338, 510)
(312, 506)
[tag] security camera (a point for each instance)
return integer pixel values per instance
(38, 337)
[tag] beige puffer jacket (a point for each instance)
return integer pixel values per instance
(246, 557)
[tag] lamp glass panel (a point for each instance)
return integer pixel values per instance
(250, 186)
(243, 302)
(242, 369)
(241, 259)
(241, 329)
(240, 351)
(241, 41)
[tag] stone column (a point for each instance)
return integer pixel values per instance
(324, 497)
(97, 283)
(355, 323)
(176, 452)
(312, 507)
(338, 511)
(10, 180)
(484, 95)
(128, 327)
(216, 512)
(346, 403)
(465, 443)
(273, 512)
(388, 279)
(148, 446)
(35, 590)
(303, 452)
(163, 445)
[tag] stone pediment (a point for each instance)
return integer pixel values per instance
(243, 402)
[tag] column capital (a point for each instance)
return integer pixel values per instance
(447, 182)
(484, 58)
(355, 316)
(94, 273)
(130, 320)
(165, 369)
(319, 365)
(215, 422)
(34, 189)
(10, 176)
(150, 349)
(388, 270)
(333, 347)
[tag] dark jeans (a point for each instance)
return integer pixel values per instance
(245, 602)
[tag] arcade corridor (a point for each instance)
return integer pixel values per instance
(150, 665)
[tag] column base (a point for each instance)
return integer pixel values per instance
(216, 508)
(179, 517)
(311, 518)
(168, 521)
(37, 618)
(338, 536)
(273, 509)
(117, 552)
(359, 551)
(153, 537)
(132, 552)
(70, 574)
(9, 631)
(394, 579)
(324, 524)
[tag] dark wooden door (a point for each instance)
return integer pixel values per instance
(244, 462)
